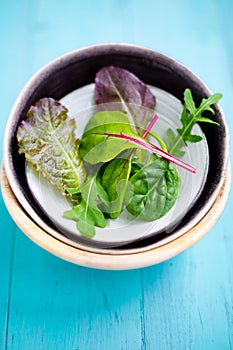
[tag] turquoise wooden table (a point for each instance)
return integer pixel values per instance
(184, 303)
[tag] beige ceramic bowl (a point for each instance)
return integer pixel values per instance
(110, 260)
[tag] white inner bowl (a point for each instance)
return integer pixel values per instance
(126, 228)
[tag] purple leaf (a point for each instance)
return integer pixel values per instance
(118, 89)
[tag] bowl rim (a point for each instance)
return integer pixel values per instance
(118, 261)
(46, 70)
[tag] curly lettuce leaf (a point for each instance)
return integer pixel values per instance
(47, 139)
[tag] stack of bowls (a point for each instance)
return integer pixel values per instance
(72, 72)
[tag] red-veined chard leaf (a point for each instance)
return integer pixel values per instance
(108, 133)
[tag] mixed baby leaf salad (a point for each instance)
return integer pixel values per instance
(114, 166)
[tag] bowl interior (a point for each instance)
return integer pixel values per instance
(77, 69)
(126, 228)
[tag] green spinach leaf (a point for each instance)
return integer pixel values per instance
(114, 180)
(153, 190)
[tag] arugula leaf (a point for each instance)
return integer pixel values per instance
(190, 116)
(175, 139)
(47, 139)
(86, 218)
(107, 134)
(153, 190)
(120, 90)
(87, 214)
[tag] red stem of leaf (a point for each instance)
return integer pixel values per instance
(152, 148)
(144, 135)
(150, 126)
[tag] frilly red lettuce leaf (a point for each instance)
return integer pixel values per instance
(118, 89)
(47, 139)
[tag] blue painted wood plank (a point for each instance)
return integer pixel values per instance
(12, 63)
(185, 303)
(57, 305)
(189, 299)
(15, 56)
(7, 237)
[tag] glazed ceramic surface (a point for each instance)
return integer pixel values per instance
(125, 228)
(77, 69)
